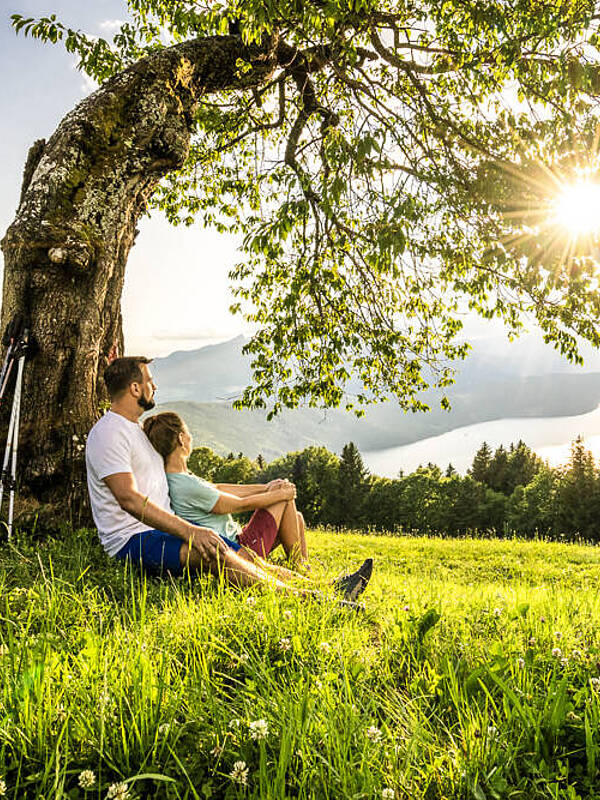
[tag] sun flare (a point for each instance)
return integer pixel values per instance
(578, 208)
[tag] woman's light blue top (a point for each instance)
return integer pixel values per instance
(194, 499)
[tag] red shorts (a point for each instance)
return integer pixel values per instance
(260, 533)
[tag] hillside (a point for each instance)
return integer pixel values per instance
(494, 383)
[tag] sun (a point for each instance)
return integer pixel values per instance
(577, 208)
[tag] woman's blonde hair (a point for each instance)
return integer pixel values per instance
(163, 431)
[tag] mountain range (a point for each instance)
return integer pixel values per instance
(498, 380)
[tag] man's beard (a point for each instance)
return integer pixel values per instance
(145, 403)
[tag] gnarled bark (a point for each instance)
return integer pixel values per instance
(66, 251)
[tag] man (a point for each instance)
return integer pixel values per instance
(129, 493)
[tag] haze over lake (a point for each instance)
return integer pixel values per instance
(550, 437)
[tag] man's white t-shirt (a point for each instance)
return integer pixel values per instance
(115, 444)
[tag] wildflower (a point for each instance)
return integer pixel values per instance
(285, 645)
(557, 652)
(374, 734)
(287, 614)
(118, 791)
(2, 788)
(243, 658)
(406, 608)
(557, 635)
(497, 612)
(164, 728)
(532, 641)
(542, 619)
(325, 647)
(258, 729)
(251, 600)
(492, 732)
(595, 683)
(564, 662)
(318, 684)
(388, 794)
(260, 617)
(520, 663)
(235, 723)
(217, 750)
(572, 717)
(87, 779)
(239, 773)
(576, 654)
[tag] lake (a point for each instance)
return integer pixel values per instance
(550, 437)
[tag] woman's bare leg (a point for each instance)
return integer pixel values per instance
(289, 528)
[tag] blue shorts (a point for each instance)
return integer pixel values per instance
(157, 552)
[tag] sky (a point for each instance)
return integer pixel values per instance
(176, 294)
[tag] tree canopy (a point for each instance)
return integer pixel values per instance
(397, 170)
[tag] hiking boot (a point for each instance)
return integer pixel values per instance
(351, 586)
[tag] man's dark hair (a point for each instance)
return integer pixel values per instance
(122, 372)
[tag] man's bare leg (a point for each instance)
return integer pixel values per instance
(238, 571)
(284, 573)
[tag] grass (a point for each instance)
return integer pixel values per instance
(474, 673)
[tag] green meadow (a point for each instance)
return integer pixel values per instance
(474, 672)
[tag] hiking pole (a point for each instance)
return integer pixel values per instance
(11, 337)
(9, 479)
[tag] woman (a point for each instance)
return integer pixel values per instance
(275, 521)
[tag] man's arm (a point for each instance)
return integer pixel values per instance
(124, 488)
(231, 504)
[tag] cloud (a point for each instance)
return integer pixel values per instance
(197, 335)
(111, 25)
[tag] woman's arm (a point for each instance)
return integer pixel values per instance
(231, 504)
(247, 489)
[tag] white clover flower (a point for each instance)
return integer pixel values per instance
(285, 644)
(557, 652)
(325, 648)
(497, 612)
(258, 729)
(318, 684)
(87, 779)
(576, 654)
(251, 600)
(374, 734)
(595, 683)
(234, 723)
(260, 617)
(532, 641)
(2, 788)
(243, 658)
(118, 791)
(388, 794)
(239, 773)
(164, 728)
(287, 614)
(520, 663)
(557, 635)
(564, 662)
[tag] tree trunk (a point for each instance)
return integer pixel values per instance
(65, 253)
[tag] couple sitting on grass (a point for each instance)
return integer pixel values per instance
(138, 477)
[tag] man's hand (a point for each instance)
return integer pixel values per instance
(209, 544)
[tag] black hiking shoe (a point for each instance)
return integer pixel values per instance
(351, 586)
